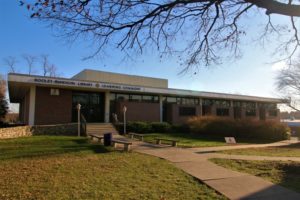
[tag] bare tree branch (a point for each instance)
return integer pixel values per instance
(45, 65)
(10, 61)
(200, 32)
(30, 59)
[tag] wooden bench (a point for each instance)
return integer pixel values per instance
(174, 142)
(125, 143)
(99, 137)
(139, 136)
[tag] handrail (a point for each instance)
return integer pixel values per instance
(83, 123)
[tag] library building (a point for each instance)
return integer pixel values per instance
(104, 95)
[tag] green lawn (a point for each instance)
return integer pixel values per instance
(286, 173)
(292, 150)
(187, 140)
(195, 140)
(56, 167)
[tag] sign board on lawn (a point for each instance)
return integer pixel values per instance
(230, 140)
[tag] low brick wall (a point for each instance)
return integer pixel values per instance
(14, 132)
(23, 131)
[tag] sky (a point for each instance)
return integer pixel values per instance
(251, 75)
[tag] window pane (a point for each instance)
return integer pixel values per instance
(187, 111)
(251, 112)
(171, 99)
(135, 97)
(112, 96)
(122, 97)
(222, 112)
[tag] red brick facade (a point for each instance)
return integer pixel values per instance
(52, 109)
(139, 111)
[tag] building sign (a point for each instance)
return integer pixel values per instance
(85, 84)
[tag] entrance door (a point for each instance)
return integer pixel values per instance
(92, 106)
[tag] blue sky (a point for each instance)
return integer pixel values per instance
(251, 75)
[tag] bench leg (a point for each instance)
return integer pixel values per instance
(131, 136)
(142, 138)
(114, 145)
(126, 147)
(158, 142)
(174, 144)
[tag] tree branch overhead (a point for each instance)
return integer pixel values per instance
(201, 32)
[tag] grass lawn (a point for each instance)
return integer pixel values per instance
(292, 150)
(194, 140)
(187, 140)
(286, 174)
(53, 167)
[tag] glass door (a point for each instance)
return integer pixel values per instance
(92, 106)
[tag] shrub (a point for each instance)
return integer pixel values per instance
(139, 127)
(160, 127)
(267, 130)
(180, 128)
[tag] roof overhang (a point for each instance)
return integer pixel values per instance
(19, 84)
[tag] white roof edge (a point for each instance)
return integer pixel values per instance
(30, 79)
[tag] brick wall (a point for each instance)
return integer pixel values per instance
(139, 111)
(53, 109)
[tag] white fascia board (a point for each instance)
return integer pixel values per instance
(77, 84)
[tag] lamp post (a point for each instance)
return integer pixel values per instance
(124, 113)
(78, 117)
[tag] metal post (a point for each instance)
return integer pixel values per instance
(78, 118)
(124, 112)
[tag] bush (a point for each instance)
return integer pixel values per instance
(153, 127)
(267, 130)
(160, 127)
(180, 128)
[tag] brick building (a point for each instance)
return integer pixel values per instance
(49, 100)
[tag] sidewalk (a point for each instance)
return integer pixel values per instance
(234, 185)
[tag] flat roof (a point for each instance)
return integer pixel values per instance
(17, 83)
(96, 75)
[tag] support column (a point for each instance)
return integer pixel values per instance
(107, 107)
(160, 108)
(31, 113)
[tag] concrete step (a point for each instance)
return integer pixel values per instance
(100, 128)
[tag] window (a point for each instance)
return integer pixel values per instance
(187, 111)
(222, 103)
(273, 113)
(251, 112)
(136, 98)
(54, 92)
(148, 98)
(112, 96)
(171, 99)
(122, 97)
(250, 105)
(271, 106)
(222, 112)
(207, 102)
(237, 104)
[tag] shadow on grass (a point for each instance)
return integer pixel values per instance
(47, 146)
(290, 146)
(284, 173)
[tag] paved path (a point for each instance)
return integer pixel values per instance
(234, 185)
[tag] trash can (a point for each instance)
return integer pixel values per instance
(107, 137)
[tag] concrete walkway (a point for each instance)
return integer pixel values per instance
(234, 185)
